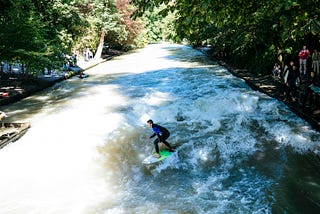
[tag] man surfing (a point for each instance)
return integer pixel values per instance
(162, 134)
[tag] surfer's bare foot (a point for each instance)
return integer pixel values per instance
(171, 150)
(157, 155)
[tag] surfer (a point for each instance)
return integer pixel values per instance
(162, 134)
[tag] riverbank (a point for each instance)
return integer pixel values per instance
(272, 87)
(267, 84)
(15, 89)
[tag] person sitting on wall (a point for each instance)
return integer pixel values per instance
(276, 70)
(2, 115)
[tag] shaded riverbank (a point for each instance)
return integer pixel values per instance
(269, 85)
(15, 89)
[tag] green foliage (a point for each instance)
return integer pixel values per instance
(21, 37)
(34, 32)
(159, 24)
(101, 15)
(251, 33)
(112, 17)
(130, 30)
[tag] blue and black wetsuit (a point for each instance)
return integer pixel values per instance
(162, 134)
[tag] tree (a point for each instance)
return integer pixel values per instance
(132, 28)
(251, 32)
(102, 17)
(22, 37)
(34, 32)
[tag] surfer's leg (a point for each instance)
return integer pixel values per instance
(171, 149)
(163, 140)
(156, 146)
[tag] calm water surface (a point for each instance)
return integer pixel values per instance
(239, 151)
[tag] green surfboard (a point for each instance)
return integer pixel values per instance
(151, 159)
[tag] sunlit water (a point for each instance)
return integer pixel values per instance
(238, 151)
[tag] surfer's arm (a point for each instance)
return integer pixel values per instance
(158, 136)
(156, 131)
(154, 134)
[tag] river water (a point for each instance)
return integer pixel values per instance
(238, 150)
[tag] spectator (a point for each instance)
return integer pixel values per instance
(284, 79)
(2, 115)
(90, 54)
(2, 67)
(316, 92)
(291, 83)
(317, 111)
(85, 55)
(276, 70)
(74, 59)
(303, 56)
(315, 61)
(309, 93)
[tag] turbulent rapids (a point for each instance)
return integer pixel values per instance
(239, 151)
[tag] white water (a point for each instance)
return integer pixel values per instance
(84, 150)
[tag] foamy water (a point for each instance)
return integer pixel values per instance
(88, 137)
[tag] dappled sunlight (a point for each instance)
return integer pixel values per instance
(146, 60)
(246, 103)
(157, 98)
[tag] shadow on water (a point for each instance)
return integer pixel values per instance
(188, 54)
(238, 150)
(54, 98)
(62, 92)
(299, 187)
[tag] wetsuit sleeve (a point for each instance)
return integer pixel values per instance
(154, 134)
(156, 131)
(158, 135)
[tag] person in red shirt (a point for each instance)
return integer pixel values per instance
(303, 55)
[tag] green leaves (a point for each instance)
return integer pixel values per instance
(246, 29)
(35, 31)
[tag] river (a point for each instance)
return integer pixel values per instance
(238, 150)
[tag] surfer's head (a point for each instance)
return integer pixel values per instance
(150, 123)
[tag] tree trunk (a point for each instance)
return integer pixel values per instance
(100, 46)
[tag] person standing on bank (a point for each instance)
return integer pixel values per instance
(303, 56)
(315, 62)
(162, 134)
